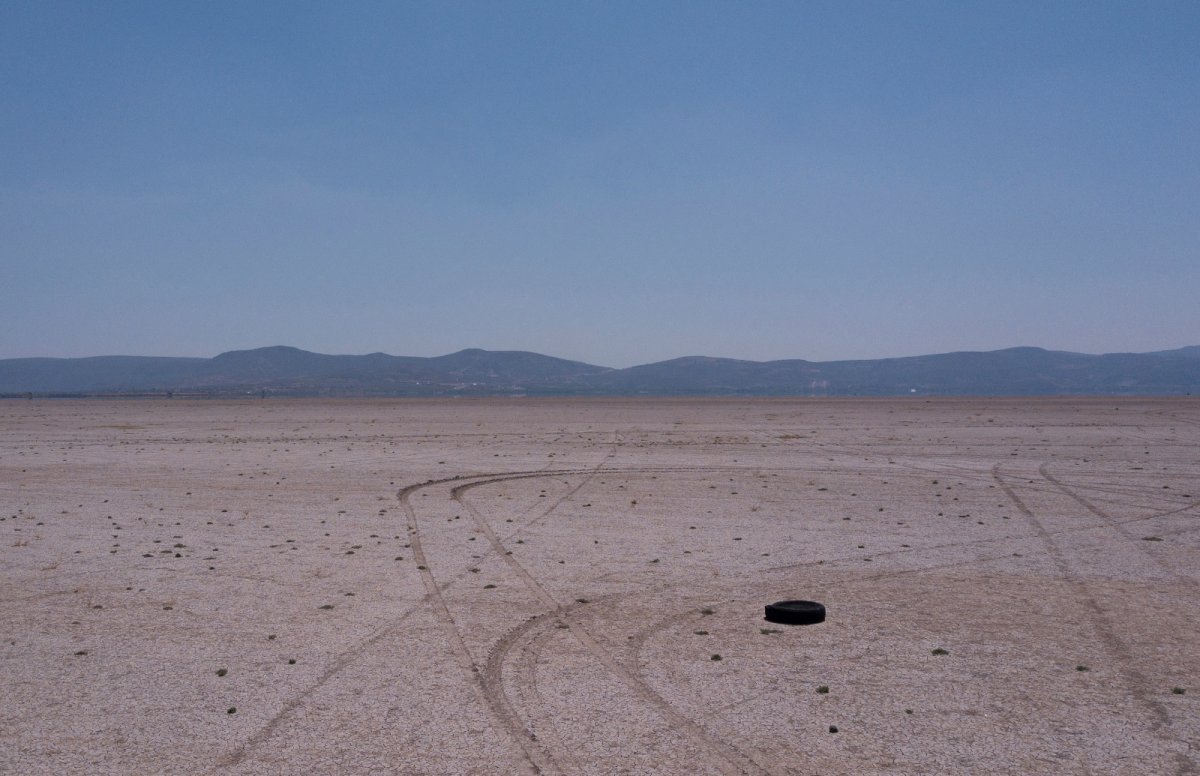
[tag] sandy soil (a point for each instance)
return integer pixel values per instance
(525, 586)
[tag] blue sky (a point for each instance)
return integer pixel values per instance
(615, 182)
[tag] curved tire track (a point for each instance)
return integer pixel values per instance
(529, 757)
(728, 759)
(340, 663)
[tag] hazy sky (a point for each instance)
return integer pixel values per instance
(616, 182)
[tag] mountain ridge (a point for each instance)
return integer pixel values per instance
(291, 371)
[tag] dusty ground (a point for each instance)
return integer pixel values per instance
(492, 587)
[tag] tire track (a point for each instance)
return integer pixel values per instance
(1135, 681)
(526, 755)
(1127, 492)
(535, 628)
(491, 678)
(968, 543)
(340, 663)
(343, 660)
(347, 658)
(637, 640)
(1173, 417)
(729, 760)
(531, 758)
(978, 476)
(1115, 524)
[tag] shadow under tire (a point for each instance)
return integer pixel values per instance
(795, 612)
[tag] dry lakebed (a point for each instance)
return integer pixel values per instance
(577, 586)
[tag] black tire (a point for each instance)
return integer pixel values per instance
(795, 612)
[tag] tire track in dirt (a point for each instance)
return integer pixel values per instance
(979, 476)
(1173, 417)
(491, 677)
(534, 629)
(349, 656)
(340, 663)
(529, 757)
(728, 759)
(343, 660)
(1115, 524)
(966, 543)
(532, 758)
(1126, 492)
(457, 494)
(1137, 497)
(941, 470)
(1102, 625)
(638, 639)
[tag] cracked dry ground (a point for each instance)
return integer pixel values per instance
(576, 586)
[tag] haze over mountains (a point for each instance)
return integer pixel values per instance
(288, 371)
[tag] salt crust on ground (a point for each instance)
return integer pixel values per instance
(514, 586)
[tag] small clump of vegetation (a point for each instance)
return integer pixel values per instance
(1178, 691)
(939, 651)
(823, 690)
(222, 671)
(715, 657)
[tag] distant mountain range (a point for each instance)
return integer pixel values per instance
(287, 371)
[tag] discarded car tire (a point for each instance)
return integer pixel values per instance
(795, 612)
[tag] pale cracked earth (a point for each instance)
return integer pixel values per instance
(577, 587)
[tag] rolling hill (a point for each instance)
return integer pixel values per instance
(280, 370)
